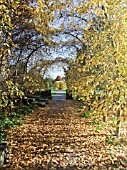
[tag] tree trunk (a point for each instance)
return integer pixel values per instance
(118, 125)
(20, 102)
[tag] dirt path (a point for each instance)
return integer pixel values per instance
(57, 137)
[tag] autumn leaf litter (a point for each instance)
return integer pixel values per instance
(58, 137)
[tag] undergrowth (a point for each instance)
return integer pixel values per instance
(13, 119)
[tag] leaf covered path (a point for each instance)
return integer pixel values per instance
(57, 137)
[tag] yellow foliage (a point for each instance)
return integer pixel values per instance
(103, 76)
(60, 85)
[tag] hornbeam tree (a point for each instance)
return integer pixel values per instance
(102, 77)
(25, 29)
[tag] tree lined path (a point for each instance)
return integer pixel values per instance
(58, 137)
(87, 41)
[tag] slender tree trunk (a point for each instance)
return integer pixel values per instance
(20, 102)
(105, 113)
(118, 125)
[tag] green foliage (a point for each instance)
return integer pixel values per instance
(114, 120)
(98, 127)
(7, 123)
(86, 114)
(3, 135)
(1, 114)
(95, 121)
(111, 153)
(100, 124)
(13, 119)
(123, 141)
(110, 140)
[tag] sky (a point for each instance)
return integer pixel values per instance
(55, 70)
